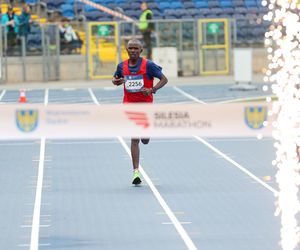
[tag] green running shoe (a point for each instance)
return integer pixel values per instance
(136, 178)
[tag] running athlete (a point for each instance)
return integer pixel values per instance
(137, 74)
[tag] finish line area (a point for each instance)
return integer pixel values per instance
(197, 192)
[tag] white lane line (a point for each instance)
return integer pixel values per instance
(46, 98)
(181, 222)
(243, 169)
(93, 96)
(247, 172)
(34, 243)
(41, 245)
(2, 94)
(185, 237)
(245, 99)
(163, 213)
(188, 95)
(28, 226)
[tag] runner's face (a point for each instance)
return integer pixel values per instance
(134, 51)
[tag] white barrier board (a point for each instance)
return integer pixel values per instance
(133, 120)
(166, 57)
(243, 65)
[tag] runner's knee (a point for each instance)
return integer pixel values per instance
(135, 141)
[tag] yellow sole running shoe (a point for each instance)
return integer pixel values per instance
(136, 178)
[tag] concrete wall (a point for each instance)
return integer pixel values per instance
(73, 67)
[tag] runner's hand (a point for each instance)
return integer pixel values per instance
(117, 81)
(146, 91)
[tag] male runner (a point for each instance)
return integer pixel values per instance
(143, 72)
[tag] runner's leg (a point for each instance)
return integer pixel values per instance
(135, 153)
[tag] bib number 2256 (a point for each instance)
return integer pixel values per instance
(134, 83)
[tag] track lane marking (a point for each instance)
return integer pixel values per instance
(188, 95)
(2, 94)
(223, 155)
(34, 240)
(183, 234)
(94, 98)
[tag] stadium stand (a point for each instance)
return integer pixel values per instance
(246, 14)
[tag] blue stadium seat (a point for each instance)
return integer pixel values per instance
(126, 29)
(133, 13)
(258, 3)
(156, 12)
(201, 4)
(225, 15)
(213, 4)
(153, 6)
(35, 28)
(187, 17)
(97, 1)
(251, 16)
(119, 1)
(184, 14)
(238, 3)
(31, 2)
(188, 5)
(50, 5)
(93, 15)
(228, 11)
(226, 4)
(253, 10)
(34, 41)
(250, 3)
(240, 10)
(263, 10)
(107, 18)
(238, 16)
(78, 7)
(157, 16)
(170, 17)
(135, 6)
(176, 5)
(163, 5)
(88, 8)
(125, 6)
(170, 12)
(111, 5)
(58, 3)
(203, 12)
(215, 11)
(192, 11)
(106, 2)
(67, 11)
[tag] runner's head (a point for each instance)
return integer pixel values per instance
(134, 48)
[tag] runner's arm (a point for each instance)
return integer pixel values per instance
(118, 78)
(162, 82)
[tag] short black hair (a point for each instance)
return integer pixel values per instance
(135, 41)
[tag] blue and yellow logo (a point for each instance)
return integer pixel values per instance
(27, 120)
(255, 116)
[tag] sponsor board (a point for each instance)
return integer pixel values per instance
(132, 120)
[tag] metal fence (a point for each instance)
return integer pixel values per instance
(203, 46)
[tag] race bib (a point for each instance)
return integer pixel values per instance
(134, 83)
